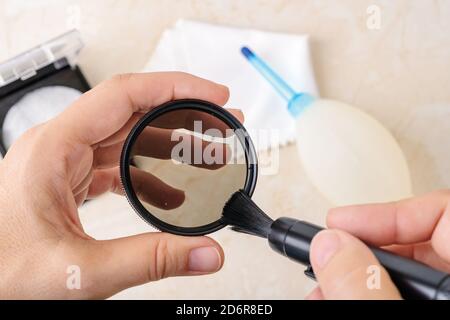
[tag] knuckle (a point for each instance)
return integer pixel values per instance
(33, 133)
(120, 78)
(161, 265)
(117, 81)
(353, 277)
(347, 268)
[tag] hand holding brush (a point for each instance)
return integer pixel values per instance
(422, 223)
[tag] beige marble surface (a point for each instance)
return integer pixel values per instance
(399, 73)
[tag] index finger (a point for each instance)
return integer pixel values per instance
(404, 222)
(104, 110)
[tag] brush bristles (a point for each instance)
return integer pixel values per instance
(244, 216)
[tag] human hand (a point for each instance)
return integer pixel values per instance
(55, 166)
(417, 228)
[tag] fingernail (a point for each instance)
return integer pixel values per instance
(205, 259)
(323, 247)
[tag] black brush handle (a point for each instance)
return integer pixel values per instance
(413, 279)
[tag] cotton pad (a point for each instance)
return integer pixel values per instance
(36, 107)
(38, 84)
(192, 47)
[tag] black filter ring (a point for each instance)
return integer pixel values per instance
(199, 105)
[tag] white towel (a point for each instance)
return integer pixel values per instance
(213, 52)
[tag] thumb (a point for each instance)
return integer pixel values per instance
(346, 268)
(115, 265)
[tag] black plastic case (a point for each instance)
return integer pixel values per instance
(50, 64)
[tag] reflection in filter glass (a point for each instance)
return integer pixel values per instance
(187, 164)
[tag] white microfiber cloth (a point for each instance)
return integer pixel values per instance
(213, 52)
